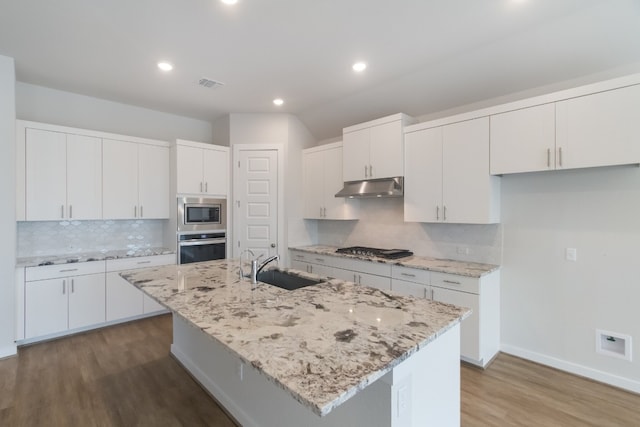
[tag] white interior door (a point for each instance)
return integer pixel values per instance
(256, 202)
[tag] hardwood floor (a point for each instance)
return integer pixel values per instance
(124, 376)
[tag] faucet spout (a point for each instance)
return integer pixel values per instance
(257, 268)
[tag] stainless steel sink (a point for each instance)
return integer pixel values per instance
(285, 280)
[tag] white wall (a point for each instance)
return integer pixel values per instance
(46, 105)
(381, 224)
(7, 213)
(551, 307)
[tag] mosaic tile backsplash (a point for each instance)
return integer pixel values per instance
(43, 238)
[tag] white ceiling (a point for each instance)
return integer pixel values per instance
(424, 55)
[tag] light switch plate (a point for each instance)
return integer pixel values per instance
(571, 254)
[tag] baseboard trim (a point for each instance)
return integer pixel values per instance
(573, 368)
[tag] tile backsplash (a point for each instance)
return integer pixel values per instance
(43, 238)
(381, 224)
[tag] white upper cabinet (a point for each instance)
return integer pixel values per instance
(586, 130)
(374, 149)
(599, 130)
(524, 140)
(202, 169)
(447, 175)
(136, 180)
(63, 175)
(322, 169)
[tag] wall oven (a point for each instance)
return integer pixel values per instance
(201, 214)
(198, 247)
(202, 229)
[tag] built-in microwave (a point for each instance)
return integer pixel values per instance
(201, 214)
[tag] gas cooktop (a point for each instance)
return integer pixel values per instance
(382, 253)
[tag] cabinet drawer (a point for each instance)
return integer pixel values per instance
(456, 283)
(312, 258)
(140, 262)
(63, 270)
(369, 267)
(415, 275)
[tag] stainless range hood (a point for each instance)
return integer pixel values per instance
(384, 187)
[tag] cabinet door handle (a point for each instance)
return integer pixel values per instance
(444, 213)
(452, 282)
(73, 287)
(64, 287)
(370, 171)
(70, 211)
(144, 262)
(206, 187)
(407, 275)
(437, 213)
(324, 212)
(135, 212)
(320, 260)
(299, 256)
(365, 171)
(141, 211)
(311, 269)
(359, 279)
(560, 156)
(548, 157)
(355, 278)
(61, 211)
(432, 294)
(201, 187)
(68, 270)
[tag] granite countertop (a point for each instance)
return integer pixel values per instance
(89, 256)
(323, 343)
(461, 268)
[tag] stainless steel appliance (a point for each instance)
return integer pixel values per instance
(375, 252)
(198, 247)
(201, 214)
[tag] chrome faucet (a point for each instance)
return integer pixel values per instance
(257, 268)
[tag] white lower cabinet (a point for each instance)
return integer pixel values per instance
(480, 332)
(63, 298)
(56, 300)
(125, 300)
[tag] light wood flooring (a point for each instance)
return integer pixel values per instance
(124, 376)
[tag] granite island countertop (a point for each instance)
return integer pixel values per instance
(322, 344)
(461, 268)
(71, 258)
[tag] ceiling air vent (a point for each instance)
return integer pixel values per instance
(209, 84)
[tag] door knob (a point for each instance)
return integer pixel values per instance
(273, 245)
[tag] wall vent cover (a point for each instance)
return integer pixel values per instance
(209, 84)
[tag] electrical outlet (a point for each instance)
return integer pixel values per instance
(403, 400)
(462, 250)
(571, 254)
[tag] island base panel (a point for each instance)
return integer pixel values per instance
(422, 390)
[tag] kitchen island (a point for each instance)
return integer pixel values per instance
(330, 354)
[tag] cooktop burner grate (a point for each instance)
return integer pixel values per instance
(375, 252)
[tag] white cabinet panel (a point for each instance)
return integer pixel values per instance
(153, 181)
(122, 299)
(403, 287)
(355, 166)
(149, 305)
(46, 168)
(46, 307)
(120, 179)
(86, 300)
(84, 177)
(322, 179)
(216, 171)
(600, 129)
(524, 140)
(470, 327)
(386, 150)
(447, 175)
(423, 176)
(135, 180)
(202, 169)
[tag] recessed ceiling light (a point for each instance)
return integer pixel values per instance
(278, 101)
(359, 67)
(229, 1)
(165, 66)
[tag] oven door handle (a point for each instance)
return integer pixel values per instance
(202, 242)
